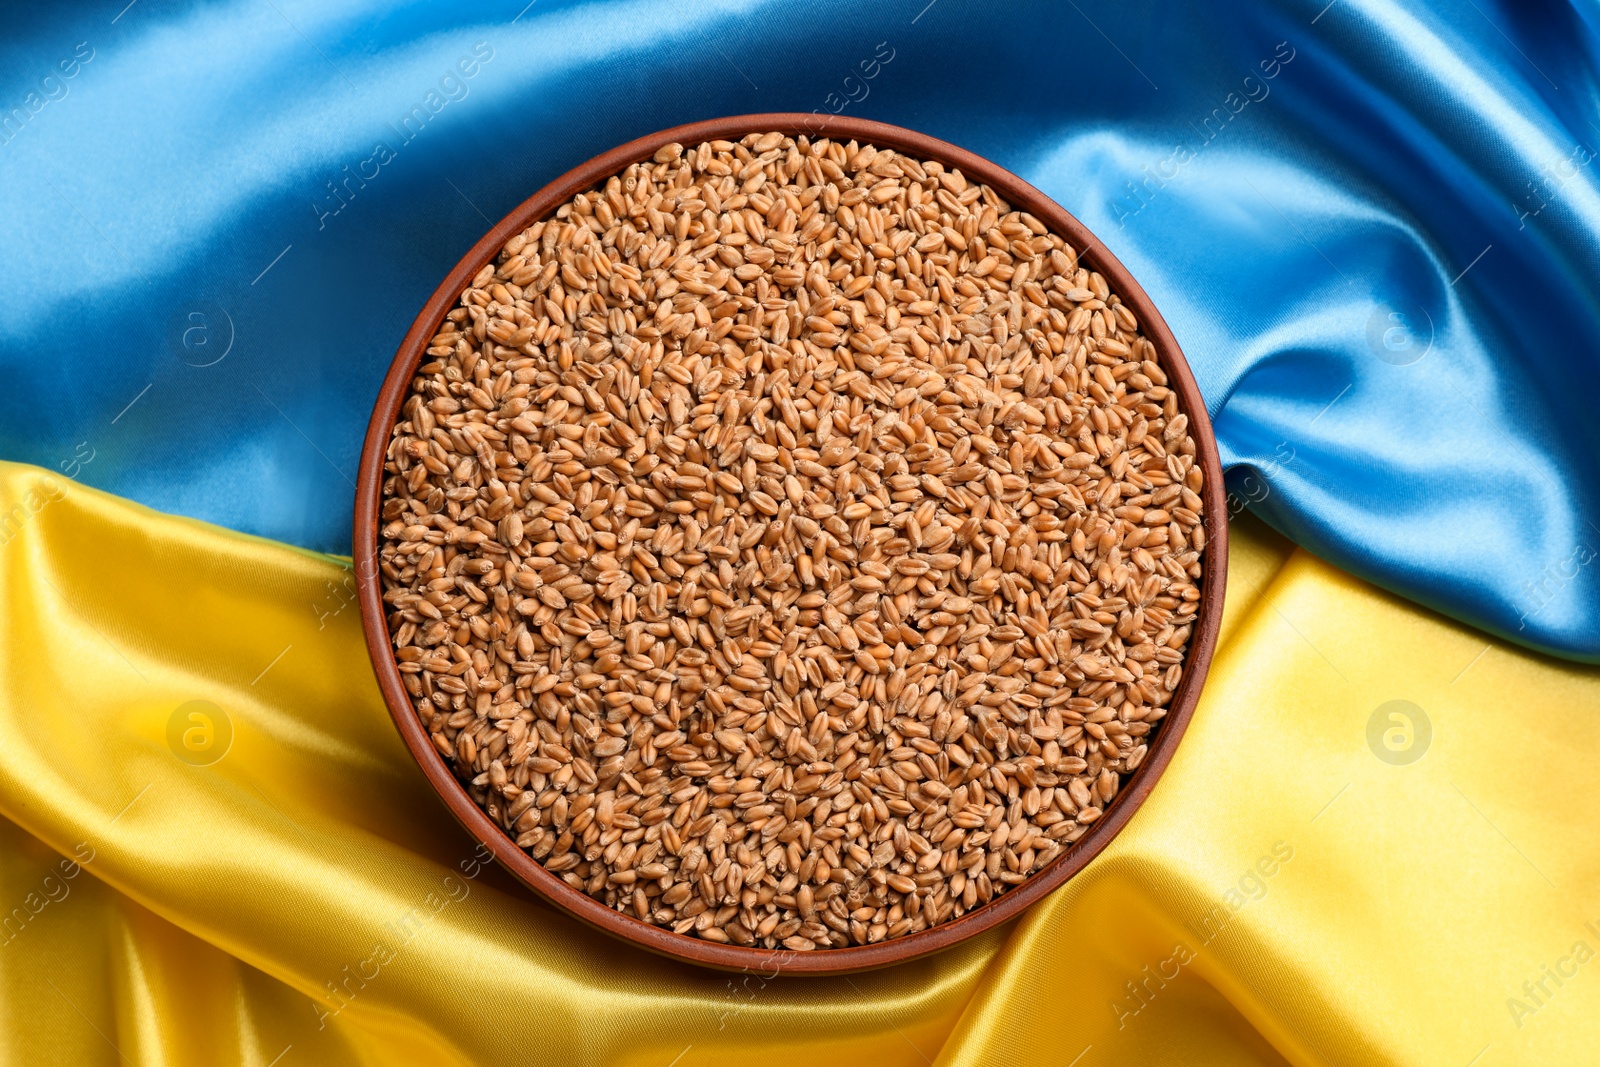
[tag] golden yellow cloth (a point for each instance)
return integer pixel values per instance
(1285, 895)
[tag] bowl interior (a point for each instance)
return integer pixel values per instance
(657, 939)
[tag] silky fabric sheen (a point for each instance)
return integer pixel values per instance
(306, 895)
(1372, 225)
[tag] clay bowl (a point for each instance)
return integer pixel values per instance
(726, 956)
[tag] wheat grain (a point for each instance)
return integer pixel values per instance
(790, 543)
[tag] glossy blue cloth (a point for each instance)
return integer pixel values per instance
(1373, 226)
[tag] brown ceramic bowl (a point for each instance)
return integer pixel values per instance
(733, 957)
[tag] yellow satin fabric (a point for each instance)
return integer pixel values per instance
(222, 903)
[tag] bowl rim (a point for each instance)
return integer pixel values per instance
(661, 940)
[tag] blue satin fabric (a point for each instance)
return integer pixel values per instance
(1373, 226)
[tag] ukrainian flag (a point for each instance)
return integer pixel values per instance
(1373, 225)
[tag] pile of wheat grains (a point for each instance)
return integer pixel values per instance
(790, 543)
